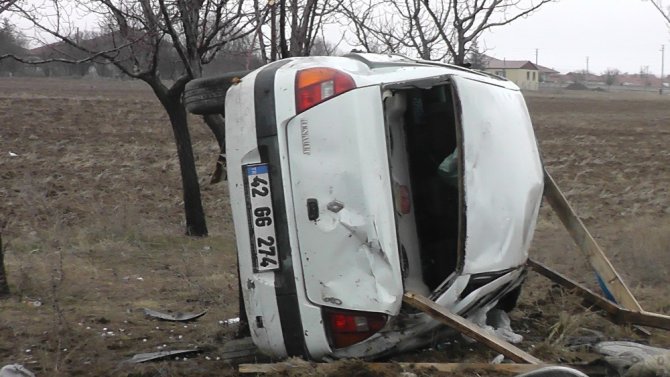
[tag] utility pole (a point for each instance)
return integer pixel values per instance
(536, 52)
(587, 66)
(660, 91)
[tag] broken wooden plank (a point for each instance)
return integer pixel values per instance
(618, 314)
(588, 245)
(329, 368)
(660, 321)
(468, 328)
(590, 296)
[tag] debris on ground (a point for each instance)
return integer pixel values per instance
(495, 322)
(154, 356)
(230, 321)
(634, 359)
(175, 317)
(15, 370)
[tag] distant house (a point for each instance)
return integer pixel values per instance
(547, 74)
(521, 72)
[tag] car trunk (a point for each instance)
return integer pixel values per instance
(466, 176)
(343, 205)
(422, 140)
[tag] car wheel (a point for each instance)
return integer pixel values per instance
(508, 302)
(208, 95)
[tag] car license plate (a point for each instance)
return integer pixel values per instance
(263, 237)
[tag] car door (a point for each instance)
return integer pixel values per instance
(503, 178)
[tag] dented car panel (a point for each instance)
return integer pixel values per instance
(503, 176)
(349, 245)
(354, 205)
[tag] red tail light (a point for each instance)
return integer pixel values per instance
(346, 327)
(315, 85)
(403, 202)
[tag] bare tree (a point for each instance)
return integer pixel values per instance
(434, 29)
(11, 41)
(133, 35)
(393, 26)
(611, 76)
(645, 75)
(665, 11)
(291, 27)
(5, 4)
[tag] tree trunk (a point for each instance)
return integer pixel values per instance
(195, 215)
(4, 287)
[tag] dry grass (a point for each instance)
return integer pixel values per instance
(95, 228)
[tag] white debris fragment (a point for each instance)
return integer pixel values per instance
(499, 319)
(12, 154)
(498, 359)
(15, 370)
(495, 322)
(230, 321)
(178, 316)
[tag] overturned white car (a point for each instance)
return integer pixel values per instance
(354, 179)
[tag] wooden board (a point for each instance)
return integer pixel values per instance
(618, 314)
(469, 329)
(588, 245)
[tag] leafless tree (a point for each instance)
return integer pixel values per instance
(432, 29)
(290, 27)
(665, 11)
(132, 34)
(5, 4)
(611, 76)
(397, 26)
(645, 75)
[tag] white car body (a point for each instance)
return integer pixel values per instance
(337, 182)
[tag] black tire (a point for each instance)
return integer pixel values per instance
(208, 95)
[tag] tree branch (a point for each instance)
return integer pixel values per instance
(665, 13)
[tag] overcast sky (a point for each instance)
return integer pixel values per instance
(623, 34)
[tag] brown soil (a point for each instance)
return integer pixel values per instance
(94, 228)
